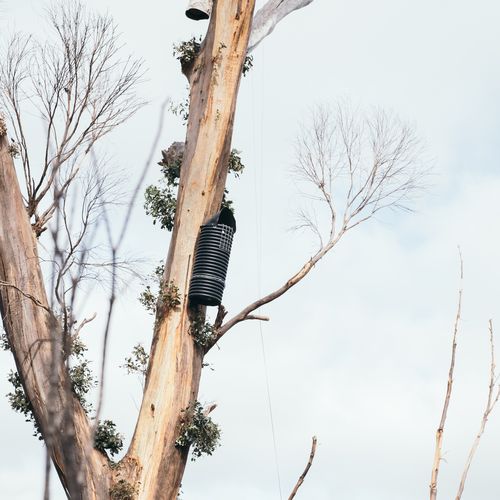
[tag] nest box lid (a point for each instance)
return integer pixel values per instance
(224, 217)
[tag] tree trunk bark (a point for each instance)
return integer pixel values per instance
(34, 337)
(175, 363)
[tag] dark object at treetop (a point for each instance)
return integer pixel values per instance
(199, 9)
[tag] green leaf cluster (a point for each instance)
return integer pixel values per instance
(186, 52)
(138, 361)
(4, 342)
(107, 438)
(122, 490)
(161, 200)
(82, 381)
(14, 150)
(20, 403)
(199, 431)
(247, 65)
(167, 293)
(202, 331)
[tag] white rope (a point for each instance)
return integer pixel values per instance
(259, 204)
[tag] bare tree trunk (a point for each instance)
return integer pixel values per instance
(36, 342)
(175, 365)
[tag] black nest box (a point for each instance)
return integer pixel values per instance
(211, 259)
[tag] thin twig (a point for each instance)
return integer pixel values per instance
(444, 414)
(306, 470)
(83, 323)
(490, 404)
(114, 249)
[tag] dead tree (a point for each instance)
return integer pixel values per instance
(376, 161)
(491, 401)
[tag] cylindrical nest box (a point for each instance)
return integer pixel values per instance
(211, 259)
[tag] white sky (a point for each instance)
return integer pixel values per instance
(358, 353)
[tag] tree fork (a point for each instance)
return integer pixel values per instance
(175, 364)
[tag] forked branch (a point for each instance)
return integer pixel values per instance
(352, 166)
(245, 314)
(81, 89)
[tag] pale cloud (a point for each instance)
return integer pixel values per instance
(357, 353)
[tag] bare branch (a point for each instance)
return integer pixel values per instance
(246, 313)
(115, 246)
(353, 165)
(266, 18)
(258, 318)
(27, 295)
(83, 323)
(490, 404)
(306, 470)
(82, 90)
(209, 408)
(449, 387)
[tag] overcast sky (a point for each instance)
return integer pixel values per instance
(357, 353)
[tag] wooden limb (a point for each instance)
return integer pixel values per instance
(257, 317)
(306, 470)
(245, 313)
(266, 18)
(490, 404)
(449, 387)
(209, 409)
(27, 295)
(221, 314)
(83, 323)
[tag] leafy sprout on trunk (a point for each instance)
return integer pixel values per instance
(82, 380)
(159, 293)
(186, 52)
(14, 150)
(20, 403)
(107, 438)
(202, 331)
(199, 431)
(4, 342)
(138, 361)
(161, 200)
(122, 490)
